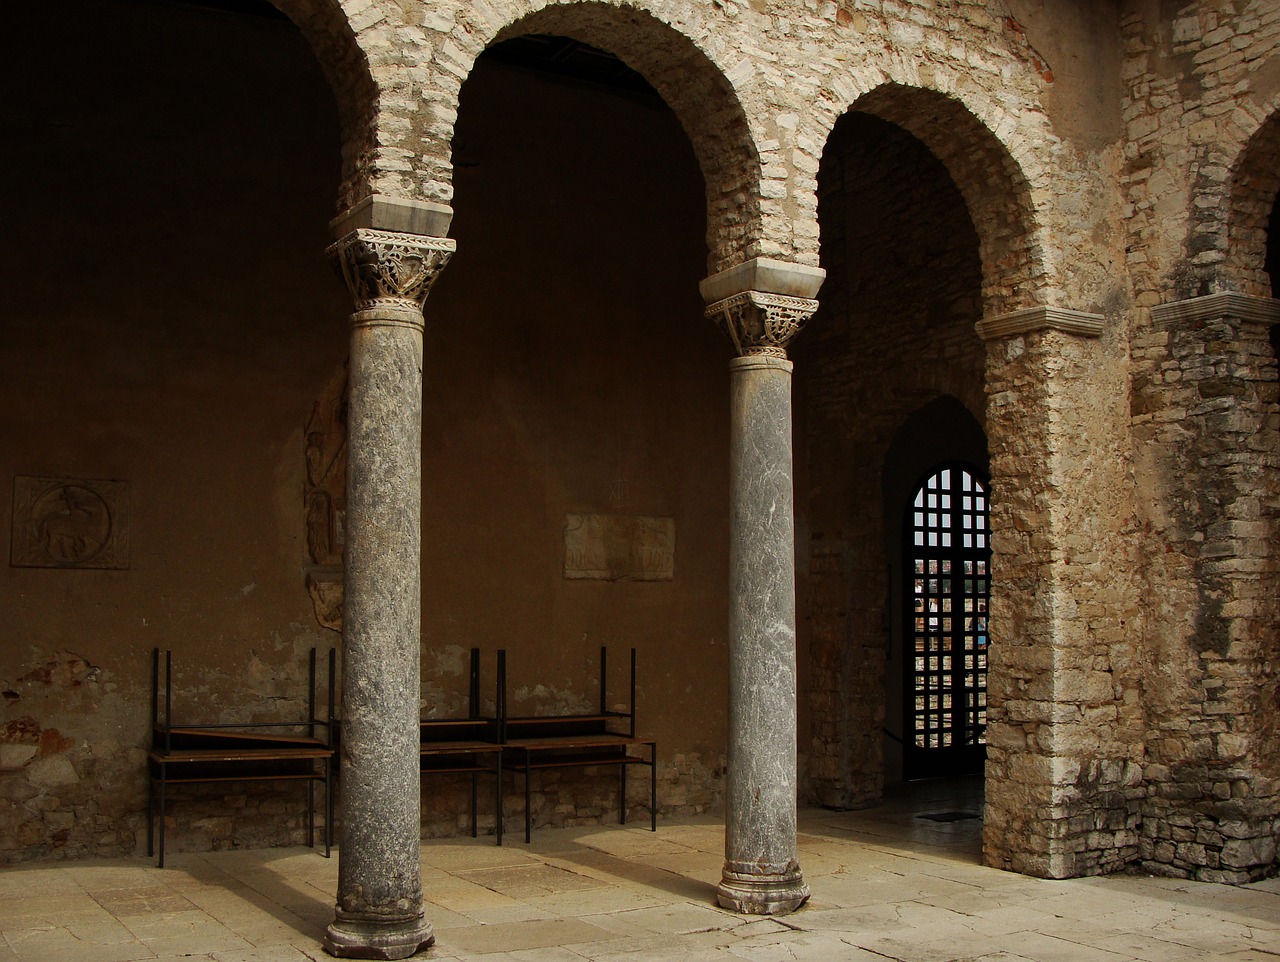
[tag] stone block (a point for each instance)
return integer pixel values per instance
(14, 756)
(51, 772)
(1247, 853)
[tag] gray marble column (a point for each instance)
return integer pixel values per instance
(379, 907)
(761, 873)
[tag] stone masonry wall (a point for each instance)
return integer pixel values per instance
(1202, 84)
(1064, 742)
(1209, 424)
(1199, 83)
(1047, 222)
(758, 89)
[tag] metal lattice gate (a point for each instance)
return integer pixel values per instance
(948, 558)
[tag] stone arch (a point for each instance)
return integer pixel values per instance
(1254, 187)
(325, 27)
(896, 329)
(995, 190)
(678, 67)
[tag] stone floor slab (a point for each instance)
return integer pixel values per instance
(522, 936)
(883, 888)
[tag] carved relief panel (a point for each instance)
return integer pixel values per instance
(69, 523)
(325, 498)
(613, 547)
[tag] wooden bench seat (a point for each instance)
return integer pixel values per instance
(189, 754)
(465, 746)
(534, 743)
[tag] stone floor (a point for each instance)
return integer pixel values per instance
(887, 884)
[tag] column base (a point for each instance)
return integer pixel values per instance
(776, 893)
(350, 939)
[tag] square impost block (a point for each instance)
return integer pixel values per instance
(397, 214)
(764, 275)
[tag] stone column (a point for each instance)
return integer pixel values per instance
(379, 907)
(761, 873)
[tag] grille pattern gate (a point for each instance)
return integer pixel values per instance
(949, 552)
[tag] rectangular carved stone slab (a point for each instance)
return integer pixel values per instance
(69, 523)
(613, 547)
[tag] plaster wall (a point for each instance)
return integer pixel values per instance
(170, 315)
(568, 370)
(179, 323)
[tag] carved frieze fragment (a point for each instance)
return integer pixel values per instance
(328, 591)
(325, 498)
(325, 495)
(69, 523)
(615, 547)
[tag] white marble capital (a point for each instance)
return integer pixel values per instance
(390, 273)
(757, 322)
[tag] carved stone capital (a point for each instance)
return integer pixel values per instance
(391, 273)
(761, 323)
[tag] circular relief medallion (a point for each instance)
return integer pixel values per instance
(72, 523)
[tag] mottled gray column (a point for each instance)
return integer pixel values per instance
(379, 907)
(761, 873)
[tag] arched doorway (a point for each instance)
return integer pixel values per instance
(890, 382)
(947, 574)
(570, 382)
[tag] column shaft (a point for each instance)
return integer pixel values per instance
(761, 873)
(379, 911)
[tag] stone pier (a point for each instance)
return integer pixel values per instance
(757, 306)
(379, 904)
(1206, 413)
(1064, 736)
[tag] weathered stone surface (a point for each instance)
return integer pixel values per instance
(1062, 797)
(1065, 161)
(1218, 638)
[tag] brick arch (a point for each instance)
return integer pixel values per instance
(324, 25)
(1254, 186)
(995, 190)
(678, 67)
